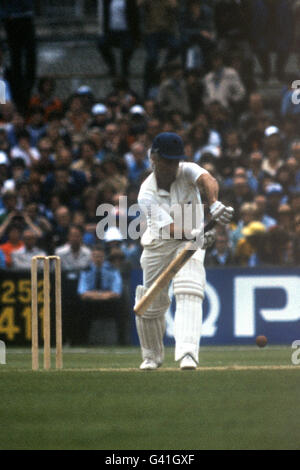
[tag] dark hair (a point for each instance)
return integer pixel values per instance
(98, 247)
(77, 227)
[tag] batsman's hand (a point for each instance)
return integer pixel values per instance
(220, 213)
(209, 239)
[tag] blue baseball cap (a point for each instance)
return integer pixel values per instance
(169, 145)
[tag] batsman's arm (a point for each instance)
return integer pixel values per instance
(209, 185)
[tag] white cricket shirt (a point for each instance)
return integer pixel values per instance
(161, 206)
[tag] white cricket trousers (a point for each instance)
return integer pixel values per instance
(188, 287)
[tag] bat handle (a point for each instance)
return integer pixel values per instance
(210, 225)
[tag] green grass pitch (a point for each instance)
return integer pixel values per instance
(239, 398)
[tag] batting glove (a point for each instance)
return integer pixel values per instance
(209, 239)
(221, 213)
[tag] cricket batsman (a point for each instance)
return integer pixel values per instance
(172, 184)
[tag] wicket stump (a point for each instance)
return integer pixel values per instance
(46, 319)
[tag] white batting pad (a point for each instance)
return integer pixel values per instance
(187, 325)
(191, 278)
(151, 333)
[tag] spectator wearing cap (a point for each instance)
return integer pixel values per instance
(137, 121)
(274, 194)
(222, 84)
(100, 116)
(119, 28)
(24, 150)
(74, 255)
(21, 258)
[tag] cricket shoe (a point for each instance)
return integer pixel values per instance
(188, 363)
(148, 364)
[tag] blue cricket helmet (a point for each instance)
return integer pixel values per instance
(169, 145)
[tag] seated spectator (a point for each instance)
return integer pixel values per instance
(203, 139)
(255, 174)
(249, 245)
(46, 161)
(87, 159)
(74, 255)
(138, 163)
(285, 217)
(24, 150)
(272, 162)
(36, 125)
(238, 194)
(2, 260)
(255, 111)
(232, 155)
(14, 243)
(9, 213)
(69, 183)
(21, 258)
(261, 211)
(100, 115)
(62, 220)
(274, 195)
(222, 84)
(99, 287)
(221, 254)
(248, 214)
(45, 97)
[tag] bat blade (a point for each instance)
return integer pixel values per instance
(167, 275)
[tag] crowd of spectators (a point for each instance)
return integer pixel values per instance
(61, 159)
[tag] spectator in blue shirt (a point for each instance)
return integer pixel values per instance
(137, 162)
(2, 260)
(101, 281)
(100, 289)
